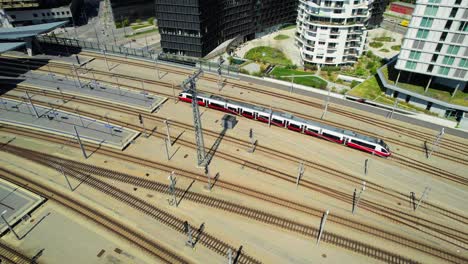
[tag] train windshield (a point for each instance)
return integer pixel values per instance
(382, 143)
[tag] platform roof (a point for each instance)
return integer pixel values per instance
(28, 31)
(4, 47)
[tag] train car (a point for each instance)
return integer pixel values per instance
(280, 119)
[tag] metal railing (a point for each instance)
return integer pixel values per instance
(140, 54)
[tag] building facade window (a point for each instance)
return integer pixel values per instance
(434, 1)
(463, 63)
(415, 55)
(430, 68)
(411, 65)
(422, 33)
(448, 25)
(463, 26)
(426, 22)
(458, 38)
(418, 44)
(454, 11)
(431, 10)
(444, 70)
(452, 49)
(459, 73)
(448, 60)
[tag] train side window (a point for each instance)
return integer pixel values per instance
(384, 150)
(188, 96)
(363, 144)
(232, 108)
(215, 104)
(331, 136)
(294, 125)
(247, 113)
(264, 117)
(313, 130)
(277, 121)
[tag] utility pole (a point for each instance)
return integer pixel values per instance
(270, 117)
(322, 226)
(188, 230)
(229, 256)
(326, 103)
(168, 132)
(142, 123)
(166, 144)
(156, 66)
(79, 142)
(207, 173)
(300, 173)
(220, 81)
(190, 86)
(436, 142)
(171, 189)
(76, 74)
(393, 108)
(105, 58)
(426, 191)
(32, 105)
(253, 142)
(357, 198)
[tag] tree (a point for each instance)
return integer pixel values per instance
(125, 22)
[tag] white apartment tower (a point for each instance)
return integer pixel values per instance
(436, 43)
(331, 32)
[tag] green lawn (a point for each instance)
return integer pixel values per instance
(384, 39)
(311, 81)
(396, 47)
(288, 27)
(460, 98)
(135, 27)
(376, 44)
(281, 37)
(267, 55)
(370, 89)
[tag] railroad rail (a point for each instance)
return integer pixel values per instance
(135, 237)
(146, 184)
(11, 255)
(377, 208)
(454, 146)
(254, 214)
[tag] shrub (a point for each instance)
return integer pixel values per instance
(370, 65)
(354, 83)
(311, 67)
(360, 71)
(150, 20)
(384, 39)
(138, 21)
(281, 37)
(370, 54)
(396, 47)
(258, 74)
(331, 68)
(291, 66)
(376, 44)
(384, 50)
(244, 71)
(118, 24)
(125, 22)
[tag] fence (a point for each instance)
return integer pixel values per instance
(140, 54)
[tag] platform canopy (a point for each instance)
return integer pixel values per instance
(28, 31)
(7, 46)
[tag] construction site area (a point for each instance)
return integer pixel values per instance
(103, 162)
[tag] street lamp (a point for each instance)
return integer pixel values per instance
(9, 226)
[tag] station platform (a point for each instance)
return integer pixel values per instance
(17, 113)
(17, 203)
(74, 59)
(143, 101)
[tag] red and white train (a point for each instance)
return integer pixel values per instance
(341, 136)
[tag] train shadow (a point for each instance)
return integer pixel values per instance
(199, 232)
(214, 148)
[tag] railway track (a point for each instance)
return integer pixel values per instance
(171, 221)
(258, 215)
(179, 172)
(379, 209)
(382, 124)
(11, 255)
(142, 241)
(416, 147)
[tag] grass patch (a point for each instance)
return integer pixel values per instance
(384, 39)
(396, 47)
(376, 45)
(135, 27)
(143, 32)
(267, 55)
(435, 91)
(281, 37)
(384, 50)
(311, 81)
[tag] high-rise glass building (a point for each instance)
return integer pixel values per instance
(436, 43)
(196, 27)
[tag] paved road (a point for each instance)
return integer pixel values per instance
(360, 106)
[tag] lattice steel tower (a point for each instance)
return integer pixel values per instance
(191, 83)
